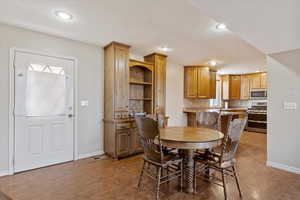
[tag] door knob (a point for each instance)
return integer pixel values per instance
(70, 115)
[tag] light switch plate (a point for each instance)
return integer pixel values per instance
(290, 105)
(84, 103)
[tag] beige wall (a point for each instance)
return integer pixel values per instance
(284, 125)
(90, 84)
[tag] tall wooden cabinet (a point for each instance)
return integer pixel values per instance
(199, 82)
(117, 132)
(131, 87)
(159, 62)
(120, 135)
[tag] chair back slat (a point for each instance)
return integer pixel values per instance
(232, 138)
(208, 120)
(149, 136)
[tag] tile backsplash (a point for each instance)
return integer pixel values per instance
(199, 103)
(240, 103)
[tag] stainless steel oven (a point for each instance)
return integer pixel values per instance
(258, 94)
(257, 117)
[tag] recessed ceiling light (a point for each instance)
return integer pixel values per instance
(164, 49)
(221, 26)
(212, 63)
(64, 15)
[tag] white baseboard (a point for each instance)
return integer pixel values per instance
(88, 155)
(4, 173)
(283, 167)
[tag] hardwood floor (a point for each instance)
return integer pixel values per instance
(110, 179)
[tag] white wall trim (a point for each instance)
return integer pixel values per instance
(13, 51)
(4, 173)
(88, 155)
(283, 167)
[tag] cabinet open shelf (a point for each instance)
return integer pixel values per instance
(140, 87)
(139, 83)
(141, 99)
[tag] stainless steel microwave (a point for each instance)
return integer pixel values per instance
(258, 94)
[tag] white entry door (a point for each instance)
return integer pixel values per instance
(43, 111)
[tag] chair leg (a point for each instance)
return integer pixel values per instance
(237, 181)
(195, 179)
(181, 177)
(224, 184)
(168, 176)
(158, 182)
(141, 175)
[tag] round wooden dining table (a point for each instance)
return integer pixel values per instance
(189, 139)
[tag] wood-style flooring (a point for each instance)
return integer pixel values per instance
(109, 179)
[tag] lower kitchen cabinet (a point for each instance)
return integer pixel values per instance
(123, 138)
(123, 146)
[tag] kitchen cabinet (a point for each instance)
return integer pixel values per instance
(239, 86)
(235, 87)
(255, 81)
(213, 84)
(225, 87)
(231, 87)
(245, 87)
(203, 83)
(159, 62)
(123, 143)
(263, 83)
(199, 82)
(131, 86)
(191, 78)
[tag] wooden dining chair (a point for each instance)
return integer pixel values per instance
(148, 130)
(208, 120)
(223, 161)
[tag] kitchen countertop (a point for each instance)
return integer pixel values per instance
(194, 110)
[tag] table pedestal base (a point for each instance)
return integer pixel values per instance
(189, 170)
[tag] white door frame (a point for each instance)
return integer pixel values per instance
(13, 51)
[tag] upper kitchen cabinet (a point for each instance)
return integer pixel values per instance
(203, 83)
(199, 82)
(264, 80)
(231, 87)
(255, 81)
(213, 84)
(190, 82)
(239, 86)
(225, 87)
(159, 62)
(245, 87)
(235, 87)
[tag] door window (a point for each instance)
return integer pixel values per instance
(45, 90)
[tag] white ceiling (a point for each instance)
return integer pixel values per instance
(143, 24)
(270, 25)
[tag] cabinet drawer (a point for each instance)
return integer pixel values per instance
(120, 126)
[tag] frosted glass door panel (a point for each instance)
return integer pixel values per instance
(45, 91)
